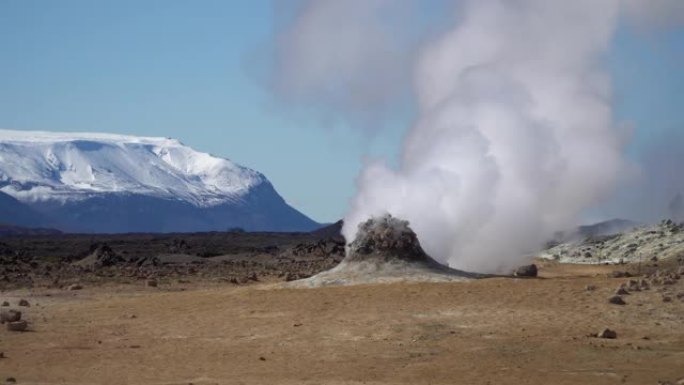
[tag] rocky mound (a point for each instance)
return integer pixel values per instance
(101, 256)
(385, 250)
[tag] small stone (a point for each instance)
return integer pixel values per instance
(262, 358)
(5, 303)
(616, 300)
(526, 271)
(590, 288)
(11, 380)
(17, 326)
(621, 291)
(10, 316)
(607, 333)
(23, 302)
(75, 287)
(633, 285)
(619, 274)
(151, 283)
(667, 298)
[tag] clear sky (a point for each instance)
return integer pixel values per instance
(190, 70)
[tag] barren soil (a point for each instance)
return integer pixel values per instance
(488, 331)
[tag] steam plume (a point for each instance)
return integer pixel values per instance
(515, 134)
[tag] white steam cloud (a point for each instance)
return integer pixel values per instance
(515, 134)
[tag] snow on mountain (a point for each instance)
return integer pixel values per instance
(38, 166)
(62, 174)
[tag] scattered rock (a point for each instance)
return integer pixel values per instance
(526, 271)
(667, 298)
(633, 285)
(616, 300)
(620, 274)
(607, 333)
(262, 358)
(644, 284)
(23, 302)
(621, 291)
(590, 288)
(10, 316)
(11, 380)
(17, 326)
(5, 303)
(75, 287)
(151, 283)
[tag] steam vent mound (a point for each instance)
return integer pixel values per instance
(385, 250)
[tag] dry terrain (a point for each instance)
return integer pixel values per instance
(487, 331)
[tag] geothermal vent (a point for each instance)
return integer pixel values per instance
(385, 250)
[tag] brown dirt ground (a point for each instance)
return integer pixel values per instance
(490, 331)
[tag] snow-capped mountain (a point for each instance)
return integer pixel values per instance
(112, 183)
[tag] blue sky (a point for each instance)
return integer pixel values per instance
(190, 70)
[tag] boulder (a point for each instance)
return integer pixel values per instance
(526, 271)
(17, 326)
(620, 274)
(607, 333)
(633, 285)
(621, 290)
(10, 316)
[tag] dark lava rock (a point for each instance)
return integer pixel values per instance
(620, 274)
(17, 326)
(621, 291)
(607, 333)
(10, 316)
(527, 271)
(105, 256)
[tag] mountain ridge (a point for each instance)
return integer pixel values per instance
(94, 182)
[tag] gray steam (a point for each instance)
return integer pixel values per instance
(514, 137)
(348, 59)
